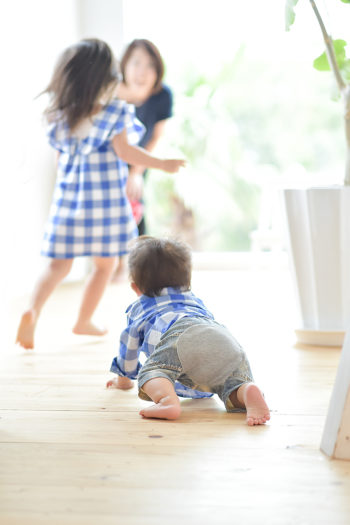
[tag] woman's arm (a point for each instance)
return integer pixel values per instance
(158, 131)
(137, 156)
(134, 188)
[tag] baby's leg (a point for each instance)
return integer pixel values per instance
(51, 277)
(250, 397)
(162, 392)
(94, 288)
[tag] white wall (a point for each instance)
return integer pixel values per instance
(102, 19)
(32, 35)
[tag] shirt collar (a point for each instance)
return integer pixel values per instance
(170, 290)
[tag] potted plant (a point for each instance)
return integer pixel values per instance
(318, 222)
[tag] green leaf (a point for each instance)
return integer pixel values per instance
(289, 13)
(345, 1)
(321, 62)
(346, 71)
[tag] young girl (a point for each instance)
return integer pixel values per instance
(90, 213)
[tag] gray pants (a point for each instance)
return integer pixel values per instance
(202, 355)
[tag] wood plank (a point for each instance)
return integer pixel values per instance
(195, 503)
(216, 428)
(94, 464)
(54, 394)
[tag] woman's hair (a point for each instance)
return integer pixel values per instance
(153, 52)
(83, 72)
(158, 263)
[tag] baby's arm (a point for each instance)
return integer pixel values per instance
(126, 364)
(137, 156)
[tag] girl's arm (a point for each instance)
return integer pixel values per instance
(138, 156)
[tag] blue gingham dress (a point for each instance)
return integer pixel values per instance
(90, 212)
(147, 319)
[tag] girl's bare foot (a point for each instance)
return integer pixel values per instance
(25, 332)
(88, 328)
(257, 410)
(166, 408)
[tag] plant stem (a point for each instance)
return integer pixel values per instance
(329, 48)
(346, 99)
(343, 88)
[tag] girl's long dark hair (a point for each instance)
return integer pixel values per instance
(83, 72)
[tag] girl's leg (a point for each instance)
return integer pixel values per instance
(250, 397)
(162, 392)
(121, 272)
(94, 288)
(55, 272)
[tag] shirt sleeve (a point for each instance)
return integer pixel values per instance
(165, 105)
(128, 121)
(58, 135)
(127, 362)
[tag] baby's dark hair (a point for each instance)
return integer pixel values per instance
(158, 263)
(83, 72)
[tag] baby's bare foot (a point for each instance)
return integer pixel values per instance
(89, 329)
(165, 409)
(25, 332)
(257, 410)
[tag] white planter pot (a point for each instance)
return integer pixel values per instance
(318, 221)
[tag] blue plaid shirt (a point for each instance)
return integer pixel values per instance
(148, 318)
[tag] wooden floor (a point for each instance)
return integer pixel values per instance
(72, 452)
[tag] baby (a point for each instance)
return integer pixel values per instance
(188, 353)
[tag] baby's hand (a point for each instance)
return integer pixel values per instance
(123, 383)
(173, 165)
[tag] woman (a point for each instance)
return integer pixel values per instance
(142, 71)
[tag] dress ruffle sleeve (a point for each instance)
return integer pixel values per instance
(134, 128)
(59, 136)
(112, 120)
